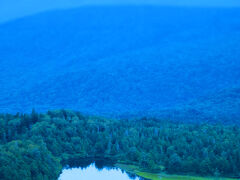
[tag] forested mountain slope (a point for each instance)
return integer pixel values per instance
(222, 106)
(118, 60)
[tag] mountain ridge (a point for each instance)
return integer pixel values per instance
(104, 61)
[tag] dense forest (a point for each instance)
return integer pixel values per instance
(37, 146)
(114, 60)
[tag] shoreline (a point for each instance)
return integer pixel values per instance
(163, 176)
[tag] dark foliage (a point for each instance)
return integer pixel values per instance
(34, 145)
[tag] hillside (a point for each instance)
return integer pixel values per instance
(119, 60)
(221, 107)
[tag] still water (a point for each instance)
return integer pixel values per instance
(92, 173)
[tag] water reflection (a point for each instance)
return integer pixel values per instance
(92, 172)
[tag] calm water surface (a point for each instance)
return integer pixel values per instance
(92, 173)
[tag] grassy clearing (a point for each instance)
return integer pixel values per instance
(160, 176)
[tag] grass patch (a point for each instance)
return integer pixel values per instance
(160, 176)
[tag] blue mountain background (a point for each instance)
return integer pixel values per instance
(117, 61)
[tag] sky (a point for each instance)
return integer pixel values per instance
(13, 9)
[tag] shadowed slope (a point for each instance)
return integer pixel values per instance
(220, 107)
(118, 60)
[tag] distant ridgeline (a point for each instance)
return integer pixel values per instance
(37, 146)
(179, 63)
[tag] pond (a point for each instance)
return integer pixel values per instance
(92, 172)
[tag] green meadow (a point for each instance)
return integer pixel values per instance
(161, 176)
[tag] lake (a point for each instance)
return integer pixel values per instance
(92, 172)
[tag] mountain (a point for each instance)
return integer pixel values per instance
(119, 60)
(221, 107)
(14, 9)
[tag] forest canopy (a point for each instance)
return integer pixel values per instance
(37, 146)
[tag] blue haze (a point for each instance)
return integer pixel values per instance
(12, 9)
(174, 62)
